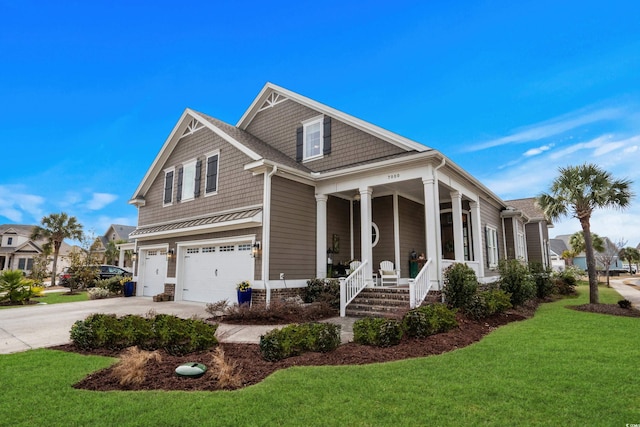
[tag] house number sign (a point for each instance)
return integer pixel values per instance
(393, 176)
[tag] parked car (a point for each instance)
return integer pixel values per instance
(102, 272)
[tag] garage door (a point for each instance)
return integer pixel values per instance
(154, 272)
(210, 273)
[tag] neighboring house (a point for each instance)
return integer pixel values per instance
(115, 233)
(580, 260)
(556, 249)
(534, 230)
(297, 189)
(17, 250)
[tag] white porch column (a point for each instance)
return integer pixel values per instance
(456, 208)
(121, 258)
(432, 224)
(366, 250)
(321, 235)
(396, 235)
(476, 227)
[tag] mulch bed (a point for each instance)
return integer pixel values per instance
(252, 369)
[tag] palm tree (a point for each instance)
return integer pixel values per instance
(55, 228)
(576, 240)
(577, 191)
(630, 254)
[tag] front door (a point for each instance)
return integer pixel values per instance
(154, 272)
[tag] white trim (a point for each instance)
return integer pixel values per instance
(375, 241)
(396, 232)
(379, 132)
(255, 221)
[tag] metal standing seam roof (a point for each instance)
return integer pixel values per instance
(214, 219)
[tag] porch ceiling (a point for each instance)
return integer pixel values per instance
(411, 189)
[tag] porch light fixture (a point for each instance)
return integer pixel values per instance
(170, 253)
(134, 256)
(255, 249)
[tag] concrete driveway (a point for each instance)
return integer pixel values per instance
(38, 326)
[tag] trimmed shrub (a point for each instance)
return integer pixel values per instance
(111, 284)
(516, 280)
(460, 284)
(296, 339)
(174, 335)
(429, 320)
(487, 303)
(545, 285)
(624, 303)
(566, 281)
(377, 331)
(322, 290)
(98, 293)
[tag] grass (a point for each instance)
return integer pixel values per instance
(562, 367)
(54, 298)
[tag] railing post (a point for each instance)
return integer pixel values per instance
(412, 293)
(343, 297)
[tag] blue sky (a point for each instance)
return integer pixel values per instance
(510, 91)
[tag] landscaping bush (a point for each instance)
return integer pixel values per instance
(460, 284)
(322, 290)
(516, 280)
(487, 303)
(566, 281)
(112, 284)
(545, 285)
(377, 331)
(278, 312)
(296, 339)
(15, 288)
(428, 320)
(174, 335)
(98, 293)
(624, 303)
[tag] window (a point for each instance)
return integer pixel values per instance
(25, 263)
(211, 186)
(312, 139)
(9, 241)
(492, 247)
(375, 234)
(520, 250)
(188, 181)
(168, 187)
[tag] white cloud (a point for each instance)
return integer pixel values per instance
(100, 200)
(552, 127)
(19, 206)
(539, 150)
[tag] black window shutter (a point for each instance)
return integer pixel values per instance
(179, 195)
(327, 136)
(299, 144)
(212, 174)
(486, 244)
(168, 187)
(196, 187)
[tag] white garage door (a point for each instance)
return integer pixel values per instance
(210, 273)
(154, 272)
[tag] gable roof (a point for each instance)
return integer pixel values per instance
(529, 206)
(385, 135)
(20, 229)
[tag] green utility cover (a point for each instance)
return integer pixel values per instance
(191, 369)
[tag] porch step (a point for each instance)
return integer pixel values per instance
(384, 302)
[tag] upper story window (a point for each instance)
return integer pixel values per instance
(9, 241)
(211, 186)
(313, 139)
(188, 181)
(168, 187)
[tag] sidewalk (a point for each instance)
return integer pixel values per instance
(628, 292)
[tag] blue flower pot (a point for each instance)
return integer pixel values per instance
(244, 297)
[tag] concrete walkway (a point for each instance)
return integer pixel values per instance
(38, 326)
(628, 292)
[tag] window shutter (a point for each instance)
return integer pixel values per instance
(196, 187)
(486, 245)
(179, 196)
(327, 135)
(168, 187)
(212, 174)
(299, 144)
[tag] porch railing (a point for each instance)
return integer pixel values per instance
(351, 286)
(420, 286)
(474, 265)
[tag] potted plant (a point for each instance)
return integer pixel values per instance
(127, 286)
(244, 292)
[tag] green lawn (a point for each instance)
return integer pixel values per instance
(562, 367)
(55, 298)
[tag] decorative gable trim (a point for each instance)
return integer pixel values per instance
(372, 129)
(272, 100)
(192, 127)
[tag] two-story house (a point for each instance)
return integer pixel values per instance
(297, 188)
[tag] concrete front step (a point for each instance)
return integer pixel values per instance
(384, 302)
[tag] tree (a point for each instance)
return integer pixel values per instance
(577, 191)
(14, 287)
(609, 255)
(112, 254)
(629, 254)
(577, 242)
(55, 228)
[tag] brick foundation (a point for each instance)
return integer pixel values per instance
(259, 296)
(170, 289)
